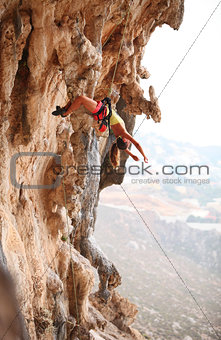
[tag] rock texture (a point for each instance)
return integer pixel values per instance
(52, 50)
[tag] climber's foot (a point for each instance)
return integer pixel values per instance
(59, 111)
(63, 114)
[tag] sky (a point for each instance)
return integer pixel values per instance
(191, 103)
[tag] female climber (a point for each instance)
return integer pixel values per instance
(103, 113)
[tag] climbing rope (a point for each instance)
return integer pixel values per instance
(119, 52)
(114, 29)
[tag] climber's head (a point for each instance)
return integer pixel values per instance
(122, 143)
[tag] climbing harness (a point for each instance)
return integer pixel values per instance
(103, 115)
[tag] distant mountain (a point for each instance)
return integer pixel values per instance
(166, 309)
(162, 151)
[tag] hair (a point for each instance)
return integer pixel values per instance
(121, 144)
(114, 155)
(115, 152)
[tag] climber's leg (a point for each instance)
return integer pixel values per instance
(88, 103)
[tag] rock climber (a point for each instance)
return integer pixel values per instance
(102, 112)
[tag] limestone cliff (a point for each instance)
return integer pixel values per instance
(52, 50)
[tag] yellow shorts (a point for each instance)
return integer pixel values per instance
(116, 119)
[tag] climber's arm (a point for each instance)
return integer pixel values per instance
(125, 134)
(132, 155)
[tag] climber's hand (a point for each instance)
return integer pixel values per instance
(135, 158)
(145, 159)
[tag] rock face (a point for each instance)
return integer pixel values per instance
(52, 50)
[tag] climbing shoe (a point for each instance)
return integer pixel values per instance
(59, 111)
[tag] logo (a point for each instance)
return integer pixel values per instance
(17, 185)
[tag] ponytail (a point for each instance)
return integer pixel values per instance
(114, 155)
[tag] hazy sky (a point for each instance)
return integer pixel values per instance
(191, 103)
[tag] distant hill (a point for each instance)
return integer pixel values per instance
(162, 151)
(166, 310)
(165, 151)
